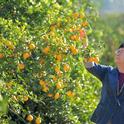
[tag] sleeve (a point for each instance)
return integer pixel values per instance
(97, 70)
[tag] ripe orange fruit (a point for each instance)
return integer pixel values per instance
(54, 78)
(42, 83)
(57, 95)
(74, 37)
(50, 95)
(74, 50)
(59, 85)
(75, 15)
(38, 120)
(60, 73)
(82, 33)
(26, 55)
(1, 55)
(45, 89)
(96, 60)
(72, 47)
(93, 59)
(66, 67)
(71, 29)
(29, 118)
(58, 57)
(84, 24)
(57, 69)
(46, 50)
(70, 93)
(32, 46)
(25, 98)
(21, 66)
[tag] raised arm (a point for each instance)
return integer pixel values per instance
(96, 69)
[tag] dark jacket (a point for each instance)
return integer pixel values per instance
(111, 105)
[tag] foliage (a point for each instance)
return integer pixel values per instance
(42, 48)
(113, 36)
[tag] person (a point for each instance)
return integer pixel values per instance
(110, 109)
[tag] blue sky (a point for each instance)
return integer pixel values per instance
(110, 6)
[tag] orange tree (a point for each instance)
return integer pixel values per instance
(42, 46)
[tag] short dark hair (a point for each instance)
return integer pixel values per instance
(121, 46)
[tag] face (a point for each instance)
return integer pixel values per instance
(119, 56)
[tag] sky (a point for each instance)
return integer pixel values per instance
(111, 6)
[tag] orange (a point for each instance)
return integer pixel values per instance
(29, 118)
(66, 67)
(50, 95)
(72, 47)
(59, 85)
(21, 66)
(71, 29)
(74, 37)
(57, 95)
(59, 73)
(93, 59)
(32, 46)
(38, 120)
(74, 50)
(84, 24)
(82, 33)
(45, 89)
(75, 15)
(26, 55)
(70, 93)
(59, 57)
(54, 78)
(25, 98)
(46, 50)
(1, 55)
(57, 69)
(96, 60)
(42, 83)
